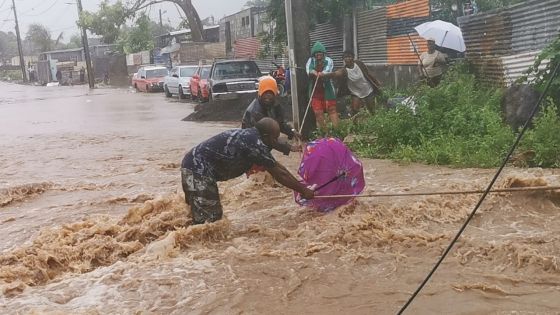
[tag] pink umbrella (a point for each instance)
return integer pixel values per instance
(333, 168)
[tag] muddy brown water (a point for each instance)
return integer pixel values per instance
(92, 222)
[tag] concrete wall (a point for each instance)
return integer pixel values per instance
(66, 56)
(194, 52)
(26, 59)
(395, 76)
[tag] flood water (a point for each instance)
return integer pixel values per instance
(92, 221)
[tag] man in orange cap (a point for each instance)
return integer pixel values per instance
(265, 106)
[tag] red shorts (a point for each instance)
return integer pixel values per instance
(321, 105)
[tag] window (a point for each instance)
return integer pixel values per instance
(205, 72)
(236, 69)
(188, 72)
(245, 21)
(154, 73)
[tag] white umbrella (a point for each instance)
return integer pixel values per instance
(445, 34)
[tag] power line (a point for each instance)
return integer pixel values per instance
(34, 8)
(486, 192)
(48, 9)
(179, 11)
(6, 19)
(63, 28)
(20, 50)
(57, 18)
(7, 9)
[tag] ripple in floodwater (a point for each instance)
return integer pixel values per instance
(282, 247)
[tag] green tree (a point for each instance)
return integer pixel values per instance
(257, 3)
(75, 41)
(8, 45)
(157, 29)
(442, 9)
(193, 19)
(107, 21)
(40, 37)
(139, 37)
(486, 5)
(540, 76)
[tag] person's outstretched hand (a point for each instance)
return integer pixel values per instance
(308, 194)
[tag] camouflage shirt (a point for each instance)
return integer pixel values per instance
(229, 154)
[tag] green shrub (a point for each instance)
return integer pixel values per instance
(544, 139)
(457, 123)
(10, 75)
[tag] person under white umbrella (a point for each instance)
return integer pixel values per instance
(444, 34)
(431, 64)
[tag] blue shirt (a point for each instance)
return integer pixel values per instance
(229, 154)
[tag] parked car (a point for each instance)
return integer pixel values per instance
(230, 78)
(178, 81)
(149, 78)
(199, 83)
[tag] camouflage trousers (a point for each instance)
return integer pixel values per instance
(201, 193)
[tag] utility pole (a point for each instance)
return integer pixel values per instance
(293, 64)
(298, 52)
(160, 21)
(91, 77)
(20, 49)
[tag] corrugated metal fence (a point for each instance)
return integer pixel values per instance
(502, 44)
(383, 33)
(331, 36)
(372, 36)
(247, 47)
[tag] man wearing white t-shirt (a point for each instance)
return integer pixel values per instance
(356, 81)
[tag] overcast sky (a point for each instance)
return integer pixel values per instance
(61, 15)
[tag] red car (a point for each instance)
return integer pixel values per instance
(199, 84)
(149, 78)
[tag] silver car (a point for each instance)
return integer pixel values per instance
(178, 81)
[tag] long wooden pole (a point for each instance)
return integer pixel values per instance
(464, 192)
(20, 49)
(293, 63)
(424, 72)
(85, 44)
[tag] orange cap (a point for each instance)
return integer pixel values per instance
(267, 83)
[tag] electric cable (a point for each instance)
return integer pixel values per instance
(31, 15)
(34, 8)
(1, 5)
(486, 192)
(5, 20)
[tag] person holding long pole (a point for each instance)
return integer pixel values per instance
(319, 67)
(431, 64)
